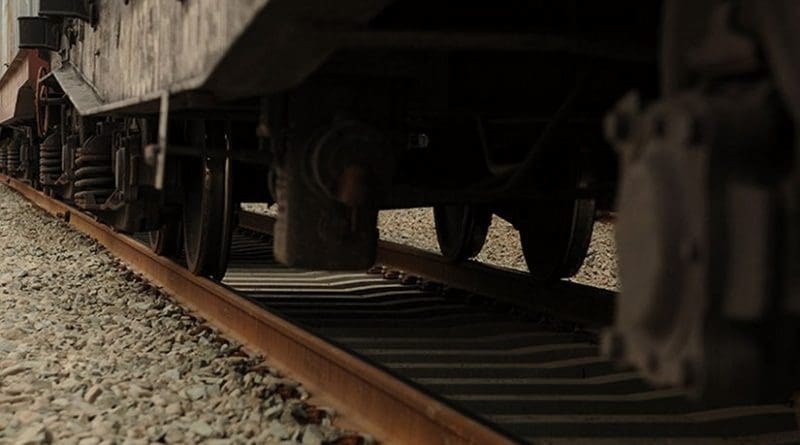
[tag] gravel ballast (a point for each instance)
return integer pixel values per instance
(92, 354)
(415, 227)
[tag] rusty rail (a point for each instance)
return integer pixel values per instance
(590, 306)
(370, 397)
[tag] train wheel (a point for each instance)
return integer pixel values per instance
(461, 230)
(207, 220)
(555, 234)
(555, 237)
(41, 110)
(166, 241)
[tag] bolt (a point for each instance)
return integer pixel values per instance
(376, 270)
(392, 275)
(409, 280)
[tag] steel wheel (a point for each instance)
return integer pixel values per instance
(555, 233)
(166, 241)
(555, 238)
(41, 110)
(461, 230)
(208, 204)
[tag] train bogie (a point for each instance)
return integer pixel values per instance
(164, 116)
(368, 115)
(707, 227)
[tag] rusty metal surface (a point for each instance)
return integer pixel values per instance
(82, 95)
(520, 381)
(139, 50)
(17, 80)
(145, 47)
(542, 381)
(587, 305)
(397, 413)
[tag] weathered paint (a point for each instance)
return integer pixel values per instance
(16, 86)
(145, 47)
(138, 51)
(18, 68)
(232, 48)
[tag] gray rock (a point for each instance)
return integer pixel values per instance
(174, 435)
(158, 400)
(274, 411)
(92, 393)
(155, 433)
(6, 278)
(174, 409)
(95, 357)
(277, 430)
(35, 434)
(201, 428)
(196, 392)
(7, 346)
(312, 435)
(18, 389)
(415, 227)
(13, 370)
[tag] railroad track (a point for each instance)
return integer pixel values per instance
(417, 362)
(587, 305)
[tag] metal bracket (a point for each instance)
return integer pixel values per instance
(156, 154)
(39, 33)
(79, 9)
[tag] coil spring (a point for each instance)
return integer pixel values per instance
(50, 159)
(94, 177)
(12, 157)
(3, 154)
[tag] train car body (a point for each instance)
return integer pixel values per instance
(225, 49)
(389, 89)
(20, 67)
(164, 115)
(17, 87)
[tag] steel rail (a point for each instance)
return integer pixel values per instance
(541, 380)
(372, 398)
(587, 305)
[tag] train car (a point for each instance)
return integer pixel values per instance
(21, 70)
(174, 112)
(162, 116)
(18, 153)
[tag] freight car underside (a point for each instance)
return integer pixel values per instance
(389, 104)
(476, 110)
